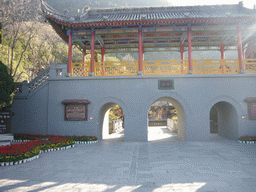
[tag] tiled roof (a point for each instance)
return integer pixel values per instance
(151, 13)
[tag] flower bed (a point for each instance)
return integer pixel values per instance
(15, 153)
(247, 139)
(29, 149)
(25, 137)
(30, 145)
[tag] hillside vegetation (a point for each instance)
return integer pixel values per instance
(74, 5)
(29, 44)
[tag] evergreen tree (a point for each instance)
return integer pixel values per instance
(7, 88)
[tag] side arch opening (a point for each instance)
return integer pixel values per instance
(112, 122)
(224, 120)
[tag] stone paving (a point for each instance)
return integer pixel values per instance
(164, 165)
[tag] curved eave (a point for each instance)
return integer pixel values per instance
(61, 31)
(146, 22)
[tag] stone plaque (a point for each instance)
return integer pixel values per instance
(75, 110)
(5, 122)
(166, 84)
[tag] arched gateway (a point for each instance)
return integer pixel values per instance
(179, 104)
(193, 86)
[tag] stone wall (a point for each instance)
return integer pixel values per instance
(39, 110)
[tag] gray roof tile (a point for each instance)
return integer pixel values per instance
(152, 13)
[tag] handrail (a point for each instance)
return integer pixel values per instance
(216, 66)
(116, 68)
(39, 80)
(80, 69)
(164, 67)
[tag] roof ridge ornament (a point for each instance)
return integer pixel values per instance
(228, 13)
(66, 12)
(85, 11)
(47, 9)
(143, 16)
(187, 14)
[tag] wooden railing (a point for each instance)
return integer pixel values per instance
(216, 66)
(118, 68)
(80, 69)
(250, 65)
(167, 67)
(164, 67)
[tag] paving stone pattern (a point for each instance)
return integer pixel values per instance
(173, 165)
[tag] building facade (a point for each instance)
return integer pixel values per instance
(73, 99)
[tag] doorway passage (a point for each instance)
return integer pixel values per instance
(224, 120)
(166, 120)
(113, 122)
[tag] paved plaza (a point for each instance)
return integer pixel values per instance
(159, 165)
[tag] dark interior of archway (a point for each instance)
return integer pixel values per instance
(213, 120)
(224, 120)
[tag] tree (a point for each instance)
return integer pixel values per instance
(115, 113)
(18, 18)
(29, 44)
(7, 88)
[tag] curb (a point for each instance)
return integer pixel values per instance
(247, 142)
(85, 142)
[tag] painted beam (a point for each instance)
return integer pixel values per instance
(100, 40)
(163, 45)
(154, 28)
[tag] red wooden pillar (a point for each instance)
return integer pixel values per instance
(240, 50)
(140, 53)
(222, 51)
(92, 53)
(84, 54)
(182, 57)
(102, 60)
(222, 57)
(69, 53)
(243, 52)
(190, 62)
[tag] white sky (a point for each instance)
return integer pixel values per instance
(247, 3)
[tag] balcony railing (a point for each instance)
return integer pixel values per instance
(116, 68)
(163, 67)
(166, 67)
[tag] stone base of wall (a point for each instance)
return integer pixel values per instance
(5, 139)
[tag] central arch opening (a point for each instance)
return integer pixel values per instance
(112, 122)
(166, 120)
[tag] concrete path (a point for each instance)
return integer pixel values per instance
(166, 165)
